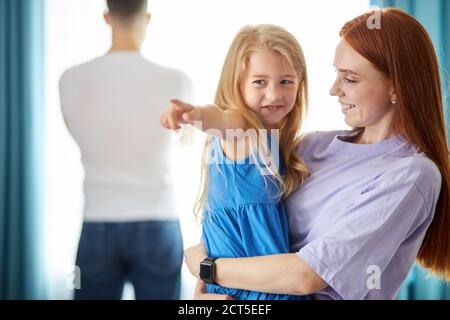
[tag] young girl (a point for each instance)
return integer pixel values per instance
(261, 98)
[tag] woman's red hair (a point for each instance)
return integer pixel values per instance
(401, 48)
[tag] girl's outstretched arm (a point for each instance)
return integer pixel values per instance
(280, 273)
(209, 118)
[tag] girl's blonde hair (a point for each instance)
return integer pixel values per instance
(273, 40)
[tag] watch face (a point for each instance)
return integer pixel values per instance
(206, 271)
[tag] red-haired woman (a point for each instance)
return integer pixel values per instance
(378, 196)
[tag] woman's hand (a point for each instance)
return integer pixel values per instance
(179, 113)
(193, 256)
(201, 294)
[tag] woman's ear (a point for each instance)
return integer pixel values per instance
(393, 98)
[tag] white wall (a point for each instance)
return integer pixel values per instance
(193, 36)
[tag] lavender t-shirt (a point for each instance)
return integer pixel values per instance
(361, 216)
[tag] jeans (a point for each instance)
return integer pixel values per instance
(148, 254)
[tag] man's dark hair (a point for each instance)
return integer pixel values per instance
(126, 8)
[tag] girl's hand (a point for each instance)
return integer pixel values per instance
(179, 113)
(200, 293)
(193, 256)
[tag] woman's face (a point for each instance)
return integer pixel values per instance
(365, 93)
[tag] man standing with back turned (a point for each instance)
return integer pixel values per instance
(112, 106)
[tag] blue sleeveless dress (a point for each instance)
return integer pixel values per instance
(243, 217)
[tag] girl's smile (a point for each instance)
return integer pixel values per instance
(274, 108)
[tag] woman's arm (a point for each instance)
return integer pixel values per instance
(209, 118)
(280, 273)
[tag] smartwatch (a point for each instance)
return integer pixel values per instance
(208, 270)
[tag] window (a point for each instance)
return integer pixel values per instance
(193, 36)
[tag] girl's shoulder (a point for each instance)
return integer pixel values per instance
(228, 151)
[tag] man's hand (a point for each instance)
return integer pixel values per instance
(179, 113)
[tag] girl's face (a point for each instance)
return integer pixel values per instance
(364, 92)
(269, 88)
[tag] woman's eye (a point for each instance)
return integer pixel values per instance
(347, 80)
(286, 82)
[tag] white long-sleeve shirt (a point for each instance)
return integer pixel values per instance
(112, 107)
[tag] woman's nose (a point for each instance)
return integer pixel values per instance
(336, 89)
